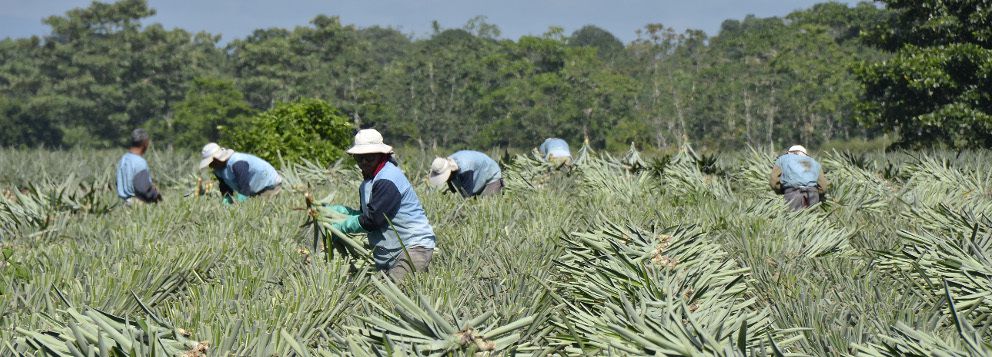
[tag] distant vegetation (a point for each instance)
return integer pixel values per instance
(832, 72)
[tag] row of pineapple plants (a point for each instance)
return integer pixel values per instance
(684, 254)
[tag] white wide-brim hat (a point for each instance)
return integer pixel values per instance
(441, 170)
(212, 152)
(798, 148)
(369, 141)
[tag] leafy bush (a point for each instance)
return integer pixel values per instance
(306, 128)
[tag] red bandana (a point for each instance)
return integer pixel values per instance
(382, 164)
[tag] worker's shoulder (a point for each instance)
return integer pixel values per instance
(133, 159)
(467, 152)
(469, 155)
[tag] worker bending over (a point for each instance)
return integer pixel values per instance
(470, 173)
(799, 177)
(556, 152)
(241, 175)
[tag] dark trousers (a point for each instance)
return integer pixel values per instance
(802, 197)
(493, 188)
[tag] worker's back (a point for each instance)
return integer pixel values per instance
(554, 147)
(798, 170)
(475, 171)
(261, 173)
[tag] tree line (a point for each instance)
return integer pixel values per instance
(812, 76)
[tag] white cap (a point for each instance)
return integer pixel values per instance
(369, 141)
(799, 149)
(441, 170)
(212, 151)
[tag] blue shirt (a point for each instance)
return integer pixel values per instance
(391, 213)
(248, 170)
(554, 147)
(475, 171)
(134, 179)
(798, 170)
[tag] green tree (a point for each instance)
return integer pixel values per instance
(267, 69)
(607, 46)
(327, 60)
(102, 71)
(386, 45)
(25, 115)
(99, 74)
(937, 87)
(551, 89)
(668, 65)
(210, 104)
(437, 88)
(112, 74)
(304, 129)
(480, 27)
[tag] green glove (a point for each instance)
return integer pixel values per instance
(349, 225)
(344, 210)
(237, 197)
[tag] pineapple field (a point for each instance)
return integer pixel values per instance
(629, 254)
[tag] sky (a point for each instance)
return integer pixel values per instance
(237, 18)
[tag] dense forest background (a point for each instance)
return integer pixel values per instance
(801, 78)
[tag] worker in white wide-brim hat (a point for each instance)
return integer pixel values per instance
(799, 178)
(468, 172)
(240, 175)
(389, 211)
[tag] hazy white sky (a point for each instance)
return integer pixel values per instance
(237, 18)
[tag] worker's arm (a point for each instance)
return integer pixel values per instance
(468, 183)
(822, 182)
(384, 203)
(456, 185)
(775, 180)
(243, 176)
(143, 188)
(225, 190)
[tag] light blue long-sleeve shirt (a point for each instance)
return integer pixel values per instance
(554, 147)
(260, 174)
(403, 217)
(475, 171)
(134, 179)
(798, 170)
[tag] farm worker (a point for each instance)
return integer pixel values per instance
(556, 151)
(240, 175)
(468, 172)
(399, 233)
(134, 180)
(799, 177)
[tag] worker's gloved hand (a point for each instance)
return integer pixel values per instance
(237, 197)
(344, 210)
(349, 225)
